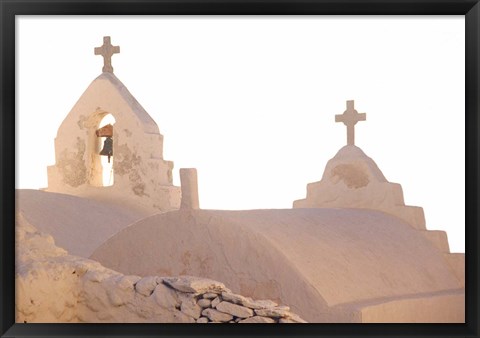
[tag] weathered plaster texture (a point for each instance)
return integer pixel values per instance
(141, 175)
(353, 180)
(52, 286)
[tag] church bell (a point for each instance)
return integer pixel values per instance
(107, 148)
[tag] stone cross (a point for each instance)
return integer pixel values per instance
(107, 50)
(350, 117)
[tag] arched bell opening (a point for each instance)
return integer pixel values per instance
(104, 149)
(100, 165)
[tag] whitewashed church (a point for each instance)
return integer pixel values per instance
(111, 239)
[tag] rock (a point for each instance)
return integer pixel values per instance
(210, 295)
(166, 297)
(216, 316)
(295, 318)
(215, 302)
(247, 301)
(261, 304)
(257, 319)
(194, 284)
(180, 317)
(119, 289)
(279, 311)
(146, 286)
(288, 321)
(191, 308)
(283, 307)
(234, 309)
(202, 320)
(204, 303)
(125, 283)
(81, 268)
(94, 276)
(233, 298)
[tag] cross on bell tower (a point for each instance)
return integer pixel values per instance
(350, 117)
(107, 50)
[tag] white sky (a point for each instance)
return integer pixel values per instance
(251, 101)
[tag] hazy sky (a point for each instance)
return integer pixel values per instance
(251, 101)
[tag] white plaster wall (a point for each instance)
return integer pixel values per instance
(441, 307)
(140, 172)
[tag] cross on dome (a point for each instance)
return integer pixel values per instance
(107, 50)
(350, 117)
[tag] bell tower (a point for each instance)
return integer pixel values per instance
(109, 148)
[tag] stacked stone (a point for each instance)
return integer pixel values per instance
(208, 301)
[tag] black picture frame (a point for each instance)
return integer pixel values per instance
(10, 8)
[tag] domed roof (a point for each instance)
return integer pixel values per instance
(316, 260)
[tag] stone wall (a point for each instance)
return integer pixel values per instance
(55, 287)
